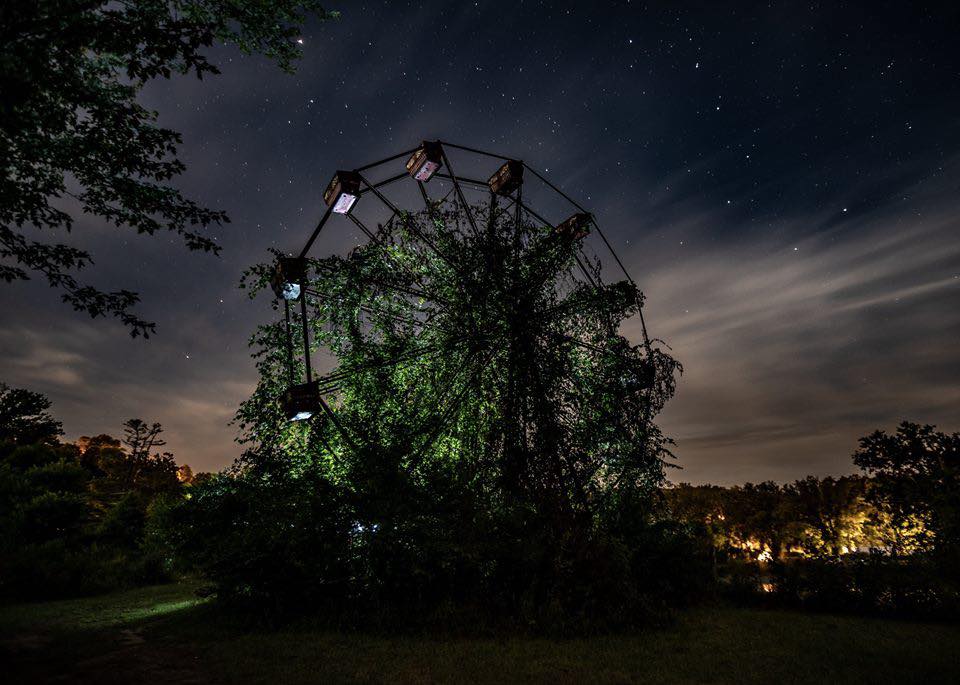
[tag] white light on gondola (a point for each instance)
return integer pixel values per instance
(343, 191)
(426, 161)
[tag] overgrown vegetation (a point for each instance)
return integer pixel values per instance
(491, 453)
(75, 516)
(106, 513)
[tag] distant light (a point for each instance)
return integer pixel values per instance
(289, 275)
(343, 191)
(508, 178)
(426, 161)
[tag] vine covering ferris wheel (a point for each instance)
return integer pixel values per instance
(468, 272)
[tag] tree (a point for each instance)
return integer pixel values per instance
(185, 474)
(761, 515)
(24, 419)
(73, 518)
(141, 438)
(531, 387)
(136, 468)
(74, 139)
(916, 484)
(491, 441)
(834, 509)
(701, 506)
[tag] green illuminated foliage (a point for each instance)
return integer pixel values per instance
(491, 434)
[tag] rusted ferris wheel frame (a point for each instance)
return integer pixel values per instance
(424, 162)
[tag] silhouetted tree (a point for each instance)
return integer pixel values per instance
(24, 419)
(74, 139)
(141, 438)
(73, 518)
(834, 509)
(916, 484)
(136, 471)
(702, 506)
(763, 513)
(91, 450)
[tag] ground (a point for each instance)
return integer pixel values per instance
(166, 635)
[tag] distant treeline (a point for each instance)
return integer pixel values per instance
(74, 517)
(887, 540)
(105, 512)
(813, 517)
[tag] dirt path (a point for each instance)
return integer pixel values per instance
(114, 657)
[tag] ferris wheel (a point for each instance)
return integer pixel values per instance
(468, 269)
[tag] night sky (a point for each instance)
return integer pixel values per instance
(780, 179)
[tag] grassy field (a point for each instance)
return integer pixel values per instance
(165, 635)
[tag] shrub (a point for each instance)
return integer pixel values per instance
(912, 587)
(284, 545)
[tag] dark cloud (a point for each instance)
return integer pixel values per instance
(781, 180)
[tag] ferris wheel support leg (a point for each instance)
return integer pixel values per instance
(306, 338)
(286, 316)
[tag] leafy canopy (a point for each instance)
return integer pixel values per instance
(470, 355)
(74, 139)
(24, 419)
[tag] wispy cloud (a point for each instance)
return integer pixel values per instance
(794, 349)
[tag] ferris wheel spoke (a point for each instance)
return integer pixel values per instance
(329, 385)
(316, 232)
(408, 355)
(407, 224)
(376, 239)
(456, 185)
(592, 279)
(426, 198)
(444, 419)
(476, 183)
(397, 318)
